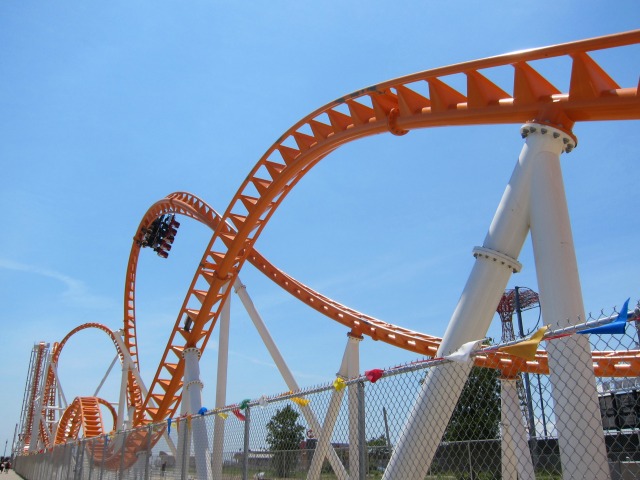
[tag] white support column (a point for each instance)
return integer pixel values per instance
(308, 414)
(221, 387)
(495, 262)
(193, 386)
(104, 378)
(118, 336)
(184, 439)
(324, 439)
(122, 402)
(37, 409)
(353, 368)
(578, 420)
(47, 410)
(35, 424)
(516, 456)
(62, 400)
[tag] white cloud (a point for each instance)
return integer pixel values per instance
(75, 292)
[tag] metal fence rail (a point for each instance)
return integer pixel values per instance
(276, 437)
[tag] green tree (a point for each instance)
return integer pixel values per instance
(477, 413)
(378, 452)
(284, 435)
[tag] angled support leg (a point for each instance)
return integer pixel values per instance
(516, 456)
(308, 414)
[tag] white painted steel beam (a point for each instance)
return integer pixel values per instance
(495, 262)
(221, 387)
(324, 438)
(578, 420)
(193, 385)
(308, 414)
(353, 368)
(516, 455)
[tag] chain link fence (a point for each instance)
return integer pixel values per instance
(350, 429)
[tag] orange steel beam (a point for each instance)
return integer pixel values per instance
(50, 384)
(83, 412)
(187, 204)
(390, 106)
(396, 107)
(605, 363)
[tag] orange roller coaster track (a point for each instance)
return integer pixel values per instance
(394, 106)
(606, 363)
(72, 419)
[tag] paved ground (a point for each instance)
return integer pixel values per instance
(10, 476)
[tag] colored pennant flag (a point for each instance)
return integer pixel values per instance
(168, 425)
(616, 327)
(189, 423)
(527, 348)
(202, 411)
(223, 415)
(303, 402)
(373, 375)
(262, 401)
(237, 413)
(463, 354)
(244, 404)
(339, 384)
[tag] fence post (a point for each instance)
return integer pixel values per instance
(104, 454)
(74, 463)
(185, 449)
(80, 462)
(471, 477)
(147, 473)
(70, 464)
(245, 460)
(361, 432)
(124, 442)
(61, 470)
(92, 452)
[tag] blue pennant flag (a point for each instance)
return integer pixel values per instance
(168, 425)
(202, 411)
(615, 327)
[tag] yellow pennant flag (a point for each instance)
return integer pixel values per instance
(339, 384)
(303, 402)
(189, 422)
(223, 415)
(527, 348)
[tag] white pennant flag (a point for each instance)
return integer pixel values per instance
(463, 354)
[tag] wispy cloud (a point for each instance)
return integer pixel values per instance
(253, 360)
(256, 361)
(75, 290)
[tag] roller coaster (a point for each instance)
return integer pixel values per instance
(546, 114)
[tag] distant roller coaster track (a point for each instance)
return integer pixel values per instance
(396, 107)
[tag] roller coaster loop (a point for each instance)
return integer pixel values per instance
(396, 107)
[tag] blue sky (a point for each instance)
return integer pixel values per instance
(107, 107)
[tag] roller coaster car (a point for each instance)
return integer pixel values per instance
(160, 235)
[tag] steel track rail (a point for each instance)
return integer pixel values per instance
(387, 107)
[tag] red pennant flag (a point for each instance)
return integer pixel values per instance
(373, 375)
(237, 413)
